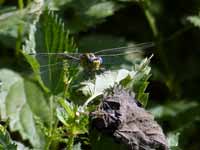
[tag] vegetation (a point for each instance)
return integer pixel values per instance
(48, 109)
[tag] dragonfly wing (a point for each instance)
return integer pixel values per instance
(52, 68)
(132, 48)
(124, 56)
(125, 60)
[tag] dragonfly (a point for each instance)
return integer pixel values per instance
(93, 62)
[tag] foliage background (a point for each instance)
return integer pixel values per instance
(97, 24)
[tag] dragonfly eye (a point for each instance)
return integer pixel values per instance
(100, 59)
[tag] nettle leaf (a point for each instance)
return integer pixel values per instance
(50, 37)
(19, 102)
(6, 142)
(195, 20)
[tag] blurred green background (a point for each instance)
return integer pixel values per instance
(174, 26)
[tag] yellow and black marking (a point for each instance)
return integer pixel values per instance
(90, 62)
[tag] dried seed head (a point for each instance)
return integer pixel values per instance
(130, 124)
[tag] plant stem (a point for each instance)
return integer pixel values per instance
(70, 142)
(91, 98)
(20, 29)
(151, 20)
(51, 128)
(152, 23)
(48, 144)
(20, 4)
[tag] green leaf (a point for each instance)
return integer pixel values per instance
(36, 69)
(104, 81)
(85, 13)
(12, 19)
(50, 37)
(77, 146)
(172, 139)
(172, 108)
(140, 81)
(101, 10)
(56, 4)
(73, 117)
(195, 20)
(19, 102)
(5, 141)
(68, 107)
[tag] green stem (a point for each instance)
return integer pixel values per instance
(91, 98)
(51, 114)
(152, 23)
(150, 19)
(159, 50)
(70, 142)
(48, 144)
(51, 128)
(19, 39)
(20, 4)
(20, 29)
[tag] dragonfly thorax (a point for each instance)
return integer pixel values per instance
(90, 62)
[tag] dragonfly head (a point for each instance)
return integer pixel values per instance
(91, 62)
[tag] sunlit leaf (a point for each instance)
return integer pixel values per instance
(173, 139)
(19, 102)
(103, 82)
(12, 19)
(195, 20)
(101, 10)
(49, 37)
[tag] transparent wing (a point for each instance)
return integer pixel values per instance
(124, 56)
(135, 48)
(73, 56)
(53, 67)
(113, 57)
(118, 51)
